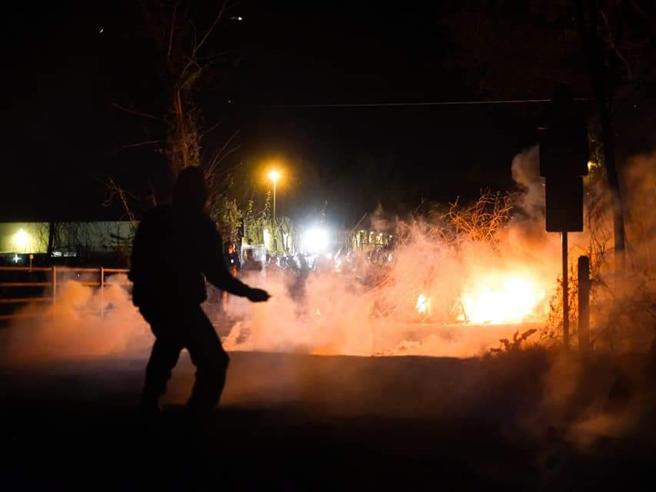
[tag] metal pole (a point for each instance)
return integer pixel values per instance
(54, 283)
(565, 294)
(274, 201)
(102, 291)
(584, 303)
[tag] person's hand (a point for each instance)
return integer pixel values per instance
(258, 295)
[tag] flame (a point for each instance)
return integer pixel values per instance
(423, 304)
(503, 298)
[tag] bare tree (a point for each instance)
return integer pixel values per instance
(184, 37)
(617, 36)
(115, 191)
(185, 61)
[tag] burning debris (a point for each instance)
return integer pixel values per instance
(423, 305)
(505, 297)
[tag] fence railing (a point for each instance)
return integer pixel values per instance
(16, 291)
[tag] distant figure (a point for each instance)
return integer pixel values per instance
(297, 290)
(175, 249)
(303, 266)
(232, 259)
(250, 264)
(272, 264)
(234, 266)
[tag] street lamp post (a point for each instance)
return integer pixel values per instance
(274, 176)
(274, 200)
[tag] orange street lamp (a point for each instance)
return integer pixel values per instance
(274, 177)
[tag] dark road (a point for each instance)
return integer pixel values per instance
(295, 422)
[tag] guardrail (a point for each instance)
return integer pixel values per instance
(51, 278)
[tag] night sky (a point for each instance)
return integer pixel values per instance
(69, 65)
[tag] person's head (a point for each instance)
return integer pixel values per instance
(249, 254)
(190, 190)
(230, 248)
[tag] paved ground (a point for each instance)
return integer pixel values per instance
(295, 422)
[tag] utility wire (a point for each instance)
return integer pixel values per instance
(414, 104)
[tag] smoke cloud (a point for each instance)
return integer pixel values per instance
(73, 328)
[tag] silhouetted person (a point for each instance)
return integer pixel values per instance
(232, 259)
(234, 266)
(302, 273)
(175, 249)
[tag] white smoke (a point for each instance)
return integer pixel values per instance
(73, 327)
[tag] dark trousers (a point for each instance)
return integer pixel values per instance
(175, 329)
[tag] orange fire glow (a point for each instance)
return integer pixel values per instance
(504, 297)
(423, 305)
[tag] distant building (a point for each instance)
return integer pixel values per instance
(364, 239)
(65, 239)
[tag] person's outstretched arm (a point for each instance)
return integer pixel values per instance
(216, 270)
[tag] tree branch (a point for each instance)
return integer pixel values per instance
(123, 195)
(135, 112)
(141, 144)
(204, 133)
(171, 30)
(615, 48)
(222, 153)
(212, 58)
(219, 16)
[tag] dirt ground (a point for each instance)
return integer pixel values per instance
(524, 421)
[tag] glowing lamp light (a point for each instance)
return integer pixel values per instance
(316, 240)
(274, 175)
(21, 240)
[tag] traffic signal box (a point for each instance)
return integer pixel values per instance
(563, 163)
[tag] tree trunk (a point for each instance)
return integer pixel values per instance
(613, 182)
(588, 19)
(180, 158)
(52, 226)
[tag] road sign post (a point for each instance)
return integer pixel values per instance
(563, 163)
